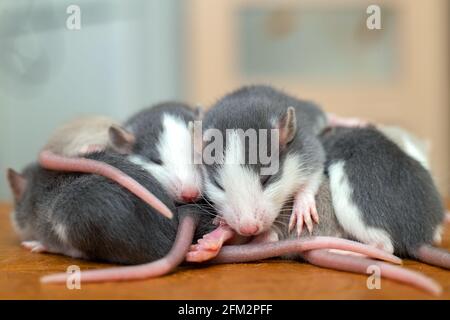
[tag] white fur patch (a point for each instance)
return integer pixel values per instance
(61, 232)
(416, 148)
(348, 213)
(437, 237)
(177, 171)
(415, 152)
(244, 200)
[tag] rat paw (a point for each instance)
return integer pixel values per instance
(209, 246)
(198, 253)
(304, 212)
(34, 246)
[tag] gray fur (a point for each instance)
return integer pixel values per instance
(259, 107)
(392, 191)
(328, 225)
(147, 126)
(103, 220)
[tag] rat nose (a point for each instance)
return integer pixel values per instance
(248, 230)
(189, 195)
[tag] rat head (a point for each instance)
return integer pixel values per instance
(162, 145)
(254, 174)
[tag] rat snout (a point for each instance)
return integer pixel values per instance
(248, 229)
(189, 194)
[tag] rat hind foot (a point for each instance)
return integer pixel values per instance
(34, 246)
(209, 246)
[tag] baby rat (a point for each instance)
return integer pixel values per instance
(312, 248)
(120, 233)
(81, 135)
(248, 199)
(162, 145)
(70, 142)
(91, 217)
(382, 196)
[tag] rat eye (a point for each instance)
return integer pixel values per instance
(217, 184)
(156, 161)
(264, 180)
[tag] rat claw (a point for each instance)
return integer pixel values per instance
(292, 221)
(300, 223)
(305, 212)
(308, 222)
(314, 214)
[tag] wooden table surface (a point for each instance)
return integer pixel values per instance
(20, 271)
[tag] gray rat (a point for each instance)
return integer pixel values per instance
(157, 138)
(382, 196)
(65, 147)
(163, 145)
(88, 216)
(248, 199)
(311, 248)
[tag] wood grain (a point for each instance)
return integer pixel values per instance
(20, 271)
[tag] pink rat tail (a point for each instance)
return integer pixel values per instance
(323, 258)
(432, 255)
(157, 268)
(252, 252)
(51, 161)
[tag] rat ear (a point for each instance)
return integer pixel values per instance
(122, 141)
(287, 126)
(17, 183)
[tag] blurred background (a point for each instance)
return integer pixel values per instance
(131, 54)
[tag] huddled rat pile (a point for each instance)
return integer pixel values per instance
(132, 194)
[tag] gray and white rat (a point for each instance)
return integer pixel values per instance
(118, 231)
(382, 196)
(163, 145)
(64, 150)
(248, 200)
(312, 248)
(89, 216)
(166, 264)
(157, 138)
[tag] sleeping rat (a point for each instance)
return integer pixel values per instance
(121, 233)
(157, 138)
(248, 199)
(65, 148)
(382, 196)
(89, 216)
(162, 145)
(312, 248)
